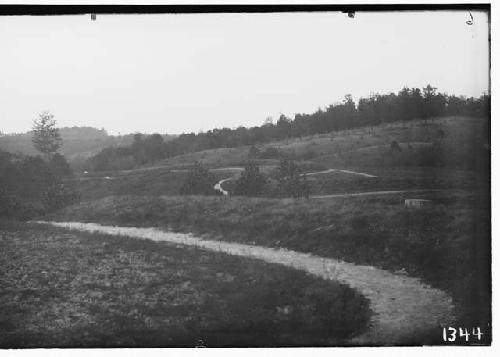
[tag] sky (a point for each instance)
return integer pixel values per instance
(188, 73)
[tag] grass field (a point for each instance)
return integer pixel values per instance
(69, 289)
(364, 147)
(446, 244)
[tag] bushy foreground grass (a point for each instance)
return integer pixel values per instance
(67, 289)
(447, 243)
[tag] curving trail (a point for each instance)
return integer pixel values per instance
(339, 170)
(219, 188)
(404, 308)
(377, 193)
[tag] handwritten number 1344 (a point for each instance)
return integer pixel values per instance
(451, 334)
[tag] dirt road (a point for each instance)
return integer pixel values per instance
(376, 193)
(219, 188)
(339, 170)
(404, 308)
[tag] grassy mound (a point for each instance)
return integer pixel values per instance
(67, 289)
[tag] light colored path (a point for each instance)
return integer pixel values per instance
(228, 169)
(218, 186)
(376, 193)
(238, 169)
(339, 170)
(403, 306)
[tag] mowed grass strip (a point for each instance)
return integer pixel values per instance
(67, 289)
(447, 244)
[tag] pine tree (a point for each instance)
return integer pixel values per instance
(46, 138)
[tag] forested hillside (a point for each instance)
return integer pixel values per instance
(408, 104)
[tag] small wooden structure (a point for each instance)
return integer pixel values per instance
(416, 202)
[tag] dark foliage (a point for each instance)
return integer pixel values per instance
(59, 195)
(30, 185)
(251, 182)
(144, 149)
(59, 166)
(395, 146)
(199, 181)
(408, 104)
(291, 183)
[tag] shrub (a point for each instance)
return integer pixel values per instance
(31, 185)
(251, 182)
(12, 207)
(395, 146)
(59, 195)
(290, 181)
(199, 181)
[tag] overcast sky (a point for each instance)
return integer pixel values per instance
(186, 73)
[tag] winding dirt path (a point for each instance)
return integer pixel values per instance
(218, 185)
(403, 307)
(376, 193)
(339, 170)
(219, 188)
(369, 193)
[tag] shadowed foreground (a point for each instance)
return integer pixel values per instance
(405, 310)
(74, 289)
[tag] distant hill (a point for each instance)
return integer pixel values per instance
(408, 105)
(79, 143)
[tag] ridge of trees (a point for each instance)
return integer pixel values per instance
(407, 104)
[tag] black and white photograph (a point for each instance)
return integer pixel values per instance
(233, 175)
